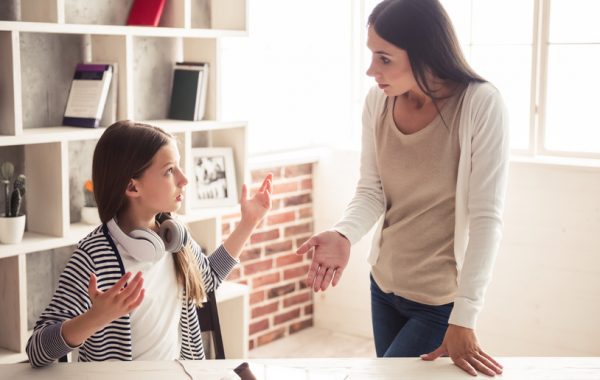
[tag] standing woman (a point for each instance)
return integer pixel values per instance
(434, 173)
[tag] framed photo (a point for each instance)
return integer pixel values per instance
(213, 178)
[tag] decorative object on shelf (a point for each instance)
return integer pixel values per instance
(146, 12)
(89, 211)
(213, 181)
(188, 94)
(12, 222)
(88, 94)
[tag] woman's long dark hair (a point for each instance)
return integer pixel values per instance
(424, 30)
(125, 150)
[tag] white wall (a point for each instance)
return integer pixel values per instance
(545, 295)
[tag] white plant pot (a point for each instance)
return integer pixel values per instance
(12, 229)
(89, 215)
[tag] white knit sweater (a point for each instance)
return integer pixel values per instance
(480, 192)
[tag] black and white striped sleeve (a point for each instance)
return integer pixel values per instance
(215, 267)
(70, 299)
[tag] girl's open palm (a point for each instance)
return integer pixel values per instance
(118, 300)
(256, 207)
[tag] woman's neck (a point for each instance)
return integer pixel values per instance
(129, 221)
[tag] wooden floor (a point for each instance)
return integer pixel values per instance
(316, 342)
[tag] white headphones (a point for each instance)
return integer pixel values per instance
(143, 244)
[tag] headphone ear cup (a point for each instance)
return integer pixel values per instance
(153, 248)
(174, 235)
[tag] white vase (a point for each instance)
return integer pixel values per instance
(12, 229)
(89, 215)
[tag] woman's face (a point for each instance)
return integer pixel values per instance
(162, 184)
(389, 66)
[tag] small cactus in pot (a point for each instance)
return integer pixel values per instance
(13, 198)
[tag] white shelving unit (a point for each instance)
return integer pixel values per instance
(139, 53)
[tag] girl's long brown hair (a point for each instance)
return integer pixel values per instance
(125, 150)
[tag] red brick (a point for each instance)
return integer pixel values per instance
(305, 212)
(234, 274)
(250, 344)
(260, 266)
(279, 247)
(260, 174)
(256, 297)
(281, 290)
(287, 316)
(266, 279)
(284, 217)
(292, 258)
(297, 326)
(297, 170)
(302, 284)
(268, 338)
(250, 254)
(296, 299)
(276, 204)
(301, 240)
(297, 200)
(308, 309)
(306, 184)
(295, 272)
(261, 325)
(259, 311)
(285, 188)
(298, 229)
(264, 236)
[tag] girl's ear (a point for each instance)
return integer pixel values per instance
(131, 190)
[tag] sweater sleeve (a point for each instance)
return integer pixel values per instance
(486, 192)
(70, 299)
(214, 268)
(367, 205)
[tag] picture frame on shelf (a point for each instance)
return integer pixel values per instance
(213, 182)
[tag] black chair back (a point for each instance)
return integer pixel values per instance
(208, 316)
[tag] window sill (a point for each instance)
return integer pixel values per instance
(556, 161)
(286, 158)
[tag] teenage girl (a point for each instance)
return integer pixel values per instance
(130, 289)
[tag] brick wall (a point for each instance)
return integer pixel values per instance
(280, 303)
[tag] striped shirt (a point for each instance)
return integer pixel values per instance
(97, 253)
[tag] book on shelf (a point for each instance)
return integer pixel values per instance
(188, 94)
(109, 115)
(145, 12)
(88, 95)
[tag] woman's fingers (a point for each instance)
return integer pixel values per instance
(465, 366)
(116, 288)
(492, 360)
(488, 363)
(138, 301)
(481, 367)
(319, 278)
(130, 294)
(327, 278)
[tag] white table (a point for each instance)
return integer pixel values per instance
(521, 368)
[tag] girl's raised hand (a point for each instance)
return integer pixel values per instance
(254, 209)
(118, 300)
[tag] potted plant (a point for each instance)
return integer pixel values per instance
(89, 211)
(12, 221)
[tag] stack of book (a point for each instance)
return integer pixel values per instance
(92, 99)
(188, 95)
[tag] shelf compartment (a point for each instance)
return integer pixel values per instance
(10, 77)
(81, 154)
(225, 14)
(13, 331)
(47, 189)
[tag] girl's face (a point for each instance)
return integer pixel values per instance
(389, 66)
(162, 184)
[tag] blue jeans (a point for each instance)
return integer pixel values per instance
(404, 328)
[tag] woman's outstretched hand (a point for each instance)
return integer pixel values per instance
(106, 307)
(118, 300)
(255, 208)
(460, 343)
(331, 255)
